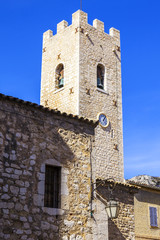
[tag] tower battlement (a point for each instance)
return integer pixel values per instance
(80, 20)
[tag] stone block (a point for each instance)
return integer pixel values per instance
(32, 162)
(5, 188)
(33, 157)
(26, 208)
(18, 206)
(24, 237)
(1, 141)
(30, 219)
(5, 197)
(19, 231)
(14, 190)
(45, 225)
(23, 219)
(23, 191)
(69, 224)
(18, 172)
(41, 176)
(38, 200)
(64, 238)
(41, 187)
(19, 183)
(27, 173)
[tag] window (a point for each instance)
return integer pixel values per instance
(153, 216)
(100, 76)
(158, 184)
(52, 187)
(59, 76)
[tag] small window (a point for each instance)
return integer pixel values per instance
(153, 217)
(59, 76)
(52, 187)
(100, 76)
(158, 184)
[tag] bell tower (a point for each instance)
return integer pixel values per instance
(81, 74)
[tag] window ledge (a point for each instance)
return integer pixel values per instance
(58, 90)
(154, 227)
(53, 211)
(146, 237)
(102, 91)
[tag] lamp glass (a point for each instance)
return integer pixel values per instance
(112, 209)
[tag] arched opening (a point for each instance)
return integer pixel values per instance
(59, 76)
(100, 76)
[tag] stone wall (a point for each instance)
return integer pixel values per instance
(61, 48)
(145, 198)
(98, 47)
(31, 137)
(81, 47)
(123, 227)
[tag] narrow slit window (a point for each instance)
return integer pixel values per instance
(153, 217)
(59, 76)
(52, 187)
(100, 76)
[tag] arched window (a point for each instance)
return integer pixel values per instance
(59, 76)
(100, 76)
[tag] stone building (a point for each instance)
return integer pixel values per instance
(52, 154)
(36, 142)
(33, 138)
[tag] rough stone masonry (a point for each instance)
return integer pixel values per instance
(33, 136)
(30, 138)
(80, 47)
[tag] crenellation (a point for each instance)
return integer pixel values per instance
(79, 18)
(47, 35)
(61, 26)
(99, 25)
(115, 33)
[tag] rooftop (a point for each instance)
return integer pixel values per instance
(145, 181)
(54, 111)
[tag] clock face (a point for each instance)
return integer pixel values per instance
(103, 120)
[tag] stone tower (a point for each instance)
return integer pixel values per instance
(81, 75)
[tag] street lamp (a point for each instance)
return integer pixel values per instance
(112, 209)
(112, 206)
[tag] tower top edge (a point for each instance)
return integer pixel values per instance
(80, 19)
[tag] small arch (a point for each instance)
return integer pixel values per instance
(100, 76)
(59, 78)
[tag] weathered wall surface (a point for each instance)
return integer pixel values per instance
(96, 47)
(123, 227)
(81, 47)
(144, 199)
(29, 139)
(61, 48)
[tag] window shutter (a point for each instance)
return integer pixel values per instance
(153, 216)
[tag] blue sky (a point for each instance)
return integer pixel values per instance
(22, 23)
